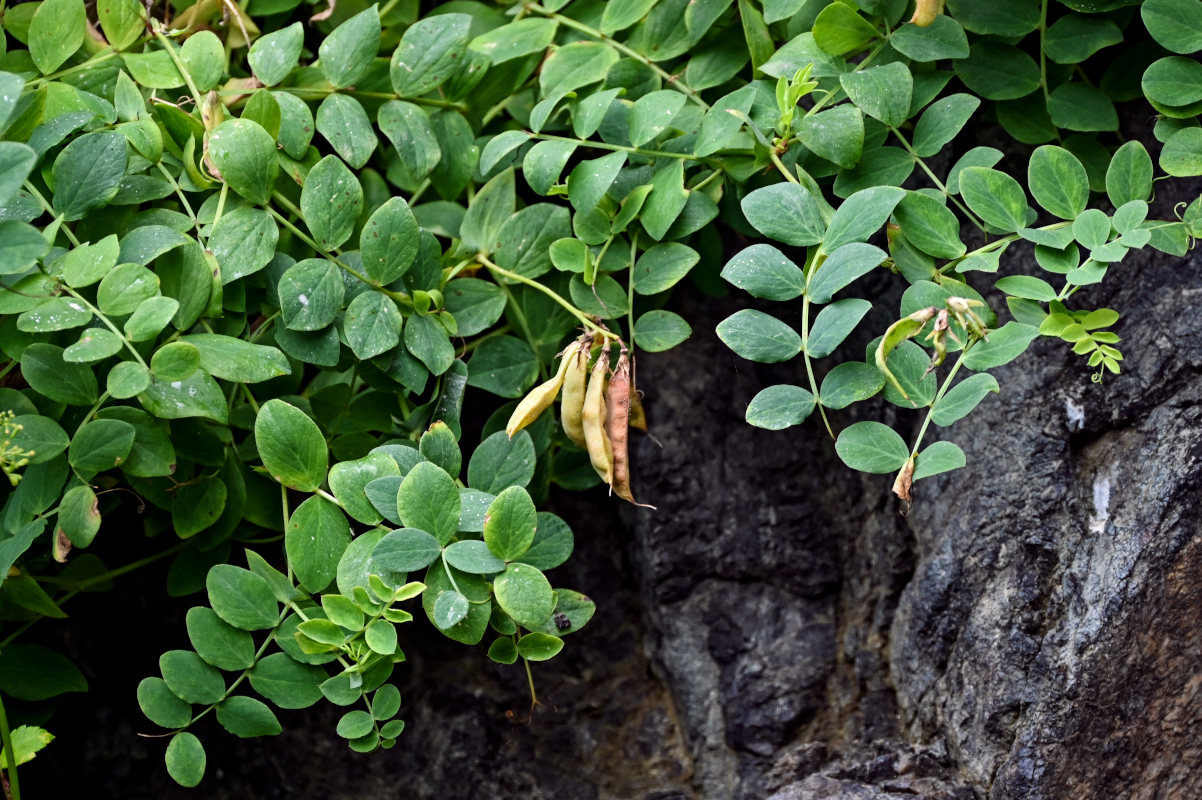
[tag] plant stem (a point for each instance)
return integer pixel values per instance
(29, 187)
(14, 785)
(585, 320)
(108, 324)
(940, 185)
(433, 102)
(1043, 59)
(667, 77)
(156, 28)
(624, 149)
(98, 58)
(947, 384)
(805, 350)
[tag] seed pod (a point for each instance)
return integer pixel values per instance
(926, 11)
(571, 405)
(596, 440)
(617, 426)
(903, 482)
(539, 399)
(638, 416)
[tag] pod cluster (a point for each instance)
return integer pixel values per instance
(598, 407)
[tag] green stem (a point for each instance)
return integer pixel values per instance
(156, 28)
(624, 149)
(49, 209)
(179, 192)
(14, 785)
(634, 246)
(316, 92)
(530, 680)
(940, 185)
(99, 58)
(585, 320)
(996, 243)
(805, 349)
(108, 324)
(398, 297)
(780, 166)
(1043, 59)
(267, 640)
(947, 384)
(667, 77)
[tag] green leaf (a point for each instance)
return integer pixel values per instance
(723, 121)
(778, 407)
(1028, 287)
(218, 642)
(21, 245)
(841, 268)
(942, 39)
(1017, 18)
(233, 359)
(503, 651)
(657, 331)
(101, 445)
(287, 683)
(154, 70)
(450, 608)
(539, 646)
(427, 340)
(1092, 228)
(16, 160)
(553, 543)
(476, 304)
(412, 136)
(241, 598)
(203, 56)
(834, 323)
(125, 288)
(1182, 153)
(429, 500)
(1176, 25)
(32, 672)
(757, 336)
(860, 216)
(381, 638)
(653, 113)
(87, 173)
(930, 225)
(1081, 107)
(942, 121)
(348, 51)
(489, 209)
(573, 66)
(660, 267)
(57, 30)
(46, 372)
(190, 678)
(1075, 37)
(430, 52)
(500, 462)
(344, 124)
(666, 201)
(311, 294)
(526, 237)
(150, 318)
(503, 365)
(510, 524)
(185, 759)
(161, 706)
(331, 200)
(1004, 345)
(474, 557)
(1173, 81)
(995, 197)
(296, 124)
(372, 325)
(56, 314)
(590, 180)
(938, 457)
(850, 382)
(838, 29)
(388, 243)
(1129, 176)
(836, 134)
(79, 515)
(516, 39)
(524, 594)
(195, 396)
(963, 398)
(998, 71)
(41, 437)
(291, 445)
(883, 93)
(276, 54)
(785, 212)
(123, 21)
(406, 550)
(872, 447)
(245, 155)
(316, 536)
(246, 717)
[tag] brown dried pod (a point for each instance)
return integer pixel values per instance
(618, 427)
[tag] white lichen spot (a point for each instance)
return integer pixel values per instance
(1101, 504)
(1076, 415)
(303, 299)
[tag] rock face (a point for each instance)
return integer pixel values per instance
(777, 629)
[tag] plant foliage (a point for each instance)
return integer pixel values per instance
(254, 256)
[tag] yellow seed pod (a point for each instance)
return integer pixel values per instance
(539, 399)
(571, 404)
(926, 11)
(600, 451)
